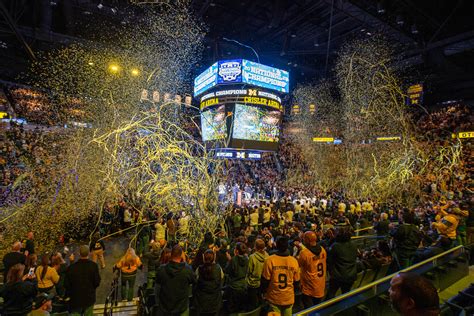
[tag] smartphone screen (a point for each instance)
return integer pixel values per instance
(31, 272)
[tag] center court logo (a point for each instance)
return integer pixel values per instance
(229, 71)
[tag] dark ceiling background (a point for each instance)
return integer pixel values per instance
(434, 38)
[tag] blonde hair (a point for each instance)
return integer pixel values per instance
(130, 258)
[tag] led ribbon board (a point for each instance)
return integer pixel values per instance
(242, 71)
(388, 138)
(463, 135)
(245, 96)
(230, 153)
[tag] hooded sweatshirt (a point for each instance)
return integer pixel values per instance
(236, 269)
(312, 261)
(173, 287)
(254, 272)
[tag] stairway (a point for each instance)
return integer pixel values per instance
(121, 309)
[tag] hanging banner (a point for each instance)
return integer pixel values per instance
(415, 94)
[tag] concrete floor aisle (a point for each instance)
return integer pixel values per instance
(114, 249)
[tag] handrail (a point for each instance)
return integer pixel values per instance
(362, 229)
(113, 293)
(375, 283)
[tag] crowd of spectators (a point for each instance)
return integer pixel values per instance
(302, 231)
(24, 150)
(33, 105)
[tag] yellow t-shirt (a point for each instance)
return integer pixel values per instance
(282, 272)
(313, 272)
(50, 278)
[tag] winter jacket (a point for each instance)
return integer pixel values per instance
(255, 268)
(236, 270)
(208, 292)
(342, 261)
(173, 282)
(407, 237)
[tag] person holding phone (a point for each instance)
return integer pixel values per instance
(19, 291)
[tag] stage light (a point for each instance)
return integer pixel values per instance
(135, 72)
(114, 11)
(414, 29)
(100, 6)
(368, 33)
(316, 43)
(90, 63)
(114, 68)
(293, 34)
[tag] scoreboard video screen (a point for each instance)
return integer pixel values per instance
(241, 107)
(256, 124)
(213, 124)
(242, 71)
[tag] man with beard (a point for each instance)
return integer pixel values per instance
(312, 261)
(413, 295)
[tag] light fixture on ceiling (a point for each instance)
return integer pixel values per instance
(316, 43)
(114, 10)
(100, 6)
(400, 20)
(414, 29)
(293, 34)
(380, 8)
(368, 33)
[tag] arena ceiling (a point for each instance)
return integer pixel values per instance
(435, 37)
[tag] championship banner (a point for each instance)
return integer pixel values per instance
(415, 94)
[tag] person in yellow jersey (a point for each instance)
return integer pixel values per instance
(280, 277)
(312, 261)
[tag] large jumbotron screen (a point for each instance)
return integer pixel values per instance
(256, 123)
(244, 118)
(213, 124)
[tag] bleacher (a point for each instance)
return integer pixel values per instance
(371, 298)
